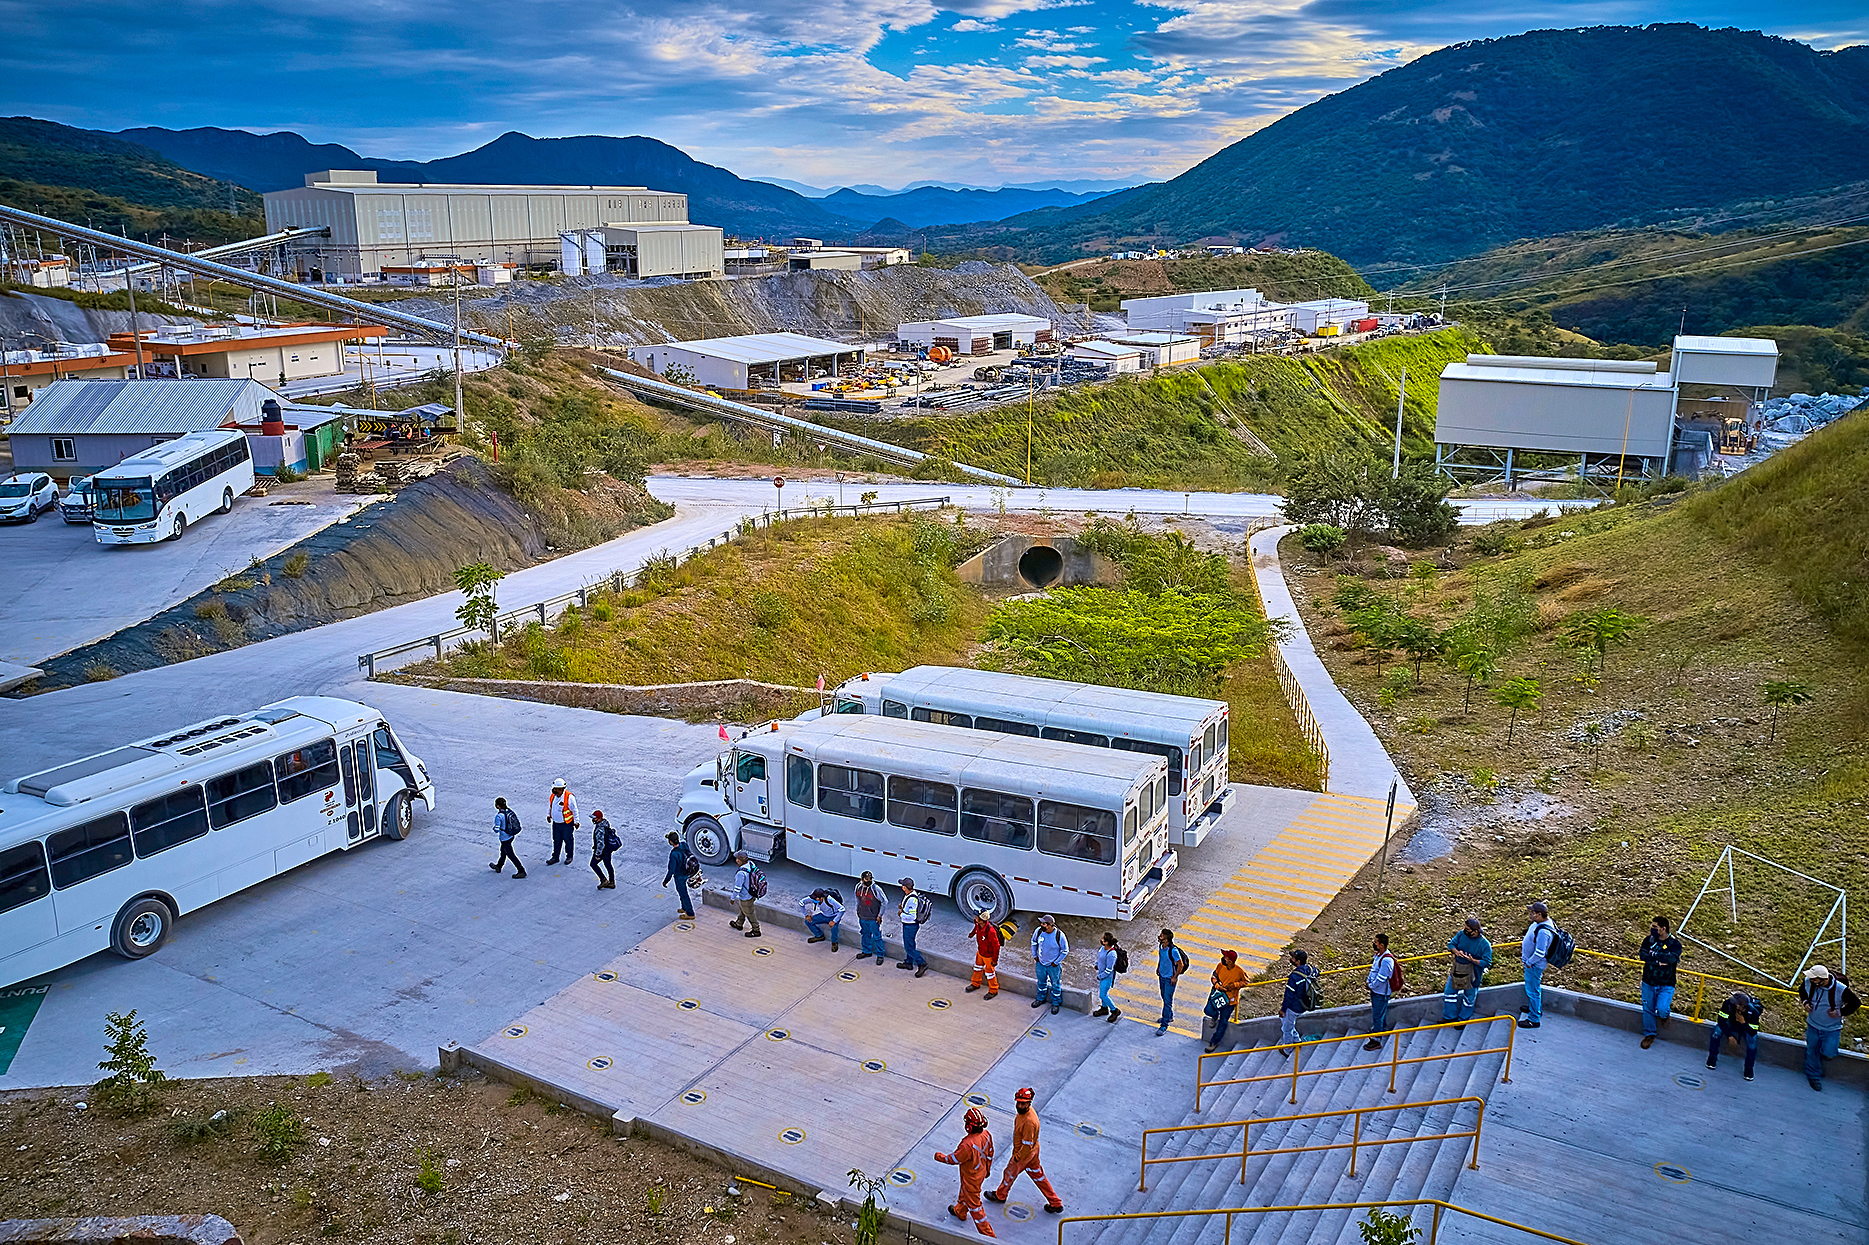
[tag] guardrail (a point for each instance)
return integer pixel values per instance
(616, 581)
(1301, 709)
(1245, 1153)
(1434, 1222)
(1395, 1060)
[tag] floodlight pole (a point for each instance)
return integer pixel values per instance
(1401, 397)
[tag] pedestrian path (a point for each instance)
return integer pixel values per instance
(1263, 906)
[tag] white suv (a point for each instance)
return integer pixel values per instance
(23, 497)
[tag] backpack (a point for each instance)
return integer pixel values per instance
(1563, 948)
(1395, 975)
(1178, 958)
(611, 841)
(1122, 960)
(755, 881)
(1850, 1002)
(1313, 996)
(512, 823)
(836, 894)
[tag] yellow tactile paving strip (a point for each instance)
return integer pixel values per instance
(1276, 894)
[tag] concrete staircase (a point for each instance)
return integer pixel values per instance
(1424, 1169)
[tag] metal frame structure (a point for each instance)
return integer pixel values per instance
(1839, 912)
(1434, 1221)
(1497, 464)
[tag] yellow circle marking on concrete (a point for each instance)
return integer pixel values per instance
(694, 1098)
(1018, 1212)
(940, 1005)
(514, 1031)
(978, 1099)
(1673, 1173)
(688, 1005)
(902, 1177)
(778, 1035)
(791, 1136)
(600, 1064)
(606, 976)
(849, 974)
(1089, 1130)
(762, 950)
(1038, 1031)
(684, 925)
(873, 1065)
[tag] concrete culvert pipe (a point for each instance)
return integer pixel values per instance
(1041, 566)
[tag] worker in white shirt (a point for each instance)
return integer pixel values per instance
(562, 811)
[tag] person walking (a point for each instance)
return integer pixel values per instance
(1170, 962)
(1661, 951)
(1532, 951)
(604, 841)
(1381, 982)
(870, 900)
(562, 810)
(682, 866)
(821, 909)
(912, 912)
(506, 826)
(974, 1157)
(1049, 947)
(1822, 997)
(1738, 1019)
(743, 896)
(1300, 994)
(986, 945)
(1472, 955)
(1108, 956)
(1224, 999)
(1024, 1158)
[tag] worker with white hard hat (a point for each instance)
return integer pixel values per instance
(562, 811)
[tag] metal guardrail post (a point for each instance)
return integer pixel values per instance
(1297, 1056)
(437, 648)
(1356, 1132)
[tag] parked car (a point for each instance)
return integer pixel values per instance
(77, 504)
(24, 497)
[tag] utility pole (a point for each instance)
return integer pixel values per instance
(1401, 396)
(460, 412)
(1028, 426)
(1683, 327)
(1443, 303)
(129, 287)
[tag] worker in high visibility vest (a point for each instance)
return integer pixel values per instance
(562, 811)
(1025, 1156)
(974, 1157)
(986, 956)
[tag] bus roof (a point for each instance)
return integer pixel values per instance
(1040, 765)
(159, 458)
(1080, 699)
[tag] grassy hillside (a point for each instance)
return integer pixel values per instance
(1283, 278)
(114, 214)
(1615, 798)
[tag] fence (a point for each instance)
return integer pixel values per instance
(1287, 681)
(1395, 1060)
(542, 611)
(1245, 1153)
(1434, 1221)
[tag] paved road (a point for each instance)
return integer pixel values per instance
(63, 589)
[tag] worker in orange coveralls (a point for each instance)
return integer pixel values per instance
(1025, 1156)
(986, 956)
(974, 1157)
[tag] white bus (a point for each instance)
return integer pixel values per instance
(158, 493)
(1187, 730)
(997, 822)
(107, 851)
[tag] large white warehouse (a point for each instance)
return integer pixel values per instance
(736, 362)
(977, 334)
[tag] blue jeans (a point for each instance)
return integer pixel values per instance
(681, 888)
(1657, 1002)
(1459, 1004)
(1534, 991)
(909, 954)
(1378, 1015)
(872, 937)
(1103, 992)
(817, 924)
(1719, 1040)
(1051, 983)
(1220, 1023)
(1819, 1045)
(1168, 999)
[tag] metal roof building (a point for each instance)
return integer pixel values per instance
(735, 362)
(76, 427)
(977, 334)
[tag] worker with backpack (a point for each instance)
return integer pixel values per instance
(1544, 946)
(749, 885)
(604, 842)
(506, 826)
(1111, 960)
(1385, 978)
(1301, 995)
(684, 870)
(1170, 962)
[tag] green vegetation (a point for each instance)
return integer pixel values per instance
(280, 1132)
(117, 300)
(134, 1084)
(478, 582)
(1360, 495)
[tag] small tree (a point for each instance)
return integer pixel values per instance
(1479, 665)
(1322, 539)
(869, 1215)
(478, 580)
(1520, 696)
(1599, 629)
(1383, 1227)
(134, 1076)
(1781, 692)
(1420, 641)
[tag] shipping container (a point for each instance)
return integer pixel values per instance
(1368, 325)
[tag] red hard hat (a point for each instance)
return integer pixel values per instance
(976, 1118)
(1024, 1095)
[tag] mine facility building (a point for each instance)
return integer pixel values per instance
(272, 354)
(749, 361)
(977, 334)
(675, 249)
(1161, 349)
(377, 224)
(80, 427)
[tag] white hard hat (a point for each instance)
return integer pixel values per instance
(558, 784)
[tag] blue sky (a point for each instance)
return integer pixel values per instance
(833, 92)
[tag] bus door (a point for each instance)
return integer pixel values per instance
(750, 796)
(359, 790)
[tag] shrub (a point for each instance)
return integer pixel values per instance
(601, 611)
(1491, 544)
(99, 672)
(280, 1132)
(230, 632)
(429, 1179)
(1321, 539)
(285, 475)
(180, 644)
(134, 1077)
(658, 573)
(211, 608)
(770, 611)
(188, 1130)
(295, 565)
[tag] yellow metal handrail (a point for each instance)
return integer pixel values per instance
(1245, 1153)
(1434, 1223)
(1395, 1060)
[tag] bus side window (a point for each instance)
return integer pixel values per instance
(85, 851)
(305, 770)
(940, 717)
(1161, 792)
(798, 781)
(895, 709)
(388, 756)
(1194, 757)
(1089, 739)
(850, 792)
(168, 821)
(996, 817)
(23, 876)
(1076, 832)
(749, 766)
(849, 706)
(1129, 825)
(925, 806)
(1006, 726)
(1212, 734)
(1223, 732)
(240, 795)
(1168, 751)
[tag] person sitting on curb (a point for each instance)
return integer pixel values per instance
(1738, 1020)
(1661, 951)
(1822, 996)
(821, 908)
(1472, 955)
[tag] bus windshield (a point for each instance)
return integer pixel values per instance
(124, 500)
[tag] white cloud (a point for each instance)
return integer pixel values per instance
(968, 25)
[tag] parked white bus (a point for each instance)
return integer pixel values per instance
(158, 493)
(107, 851)
(997, 822)
(1190, 732)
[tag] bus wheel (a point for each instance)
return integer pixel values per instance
(398, 819)
(180, 523)
(227, 500)
(141, 929)
(708, 841)
(982, 890)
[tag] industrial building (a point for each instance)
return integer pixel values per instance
(273, 354)
(977, 334)
(1114, 358)
(824, 261)
(744, 362)
(1162, 349)
(23, 373)
(675, 249)
(1616, 419)
(1226, 317)
(80, 427)
(376, 224)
